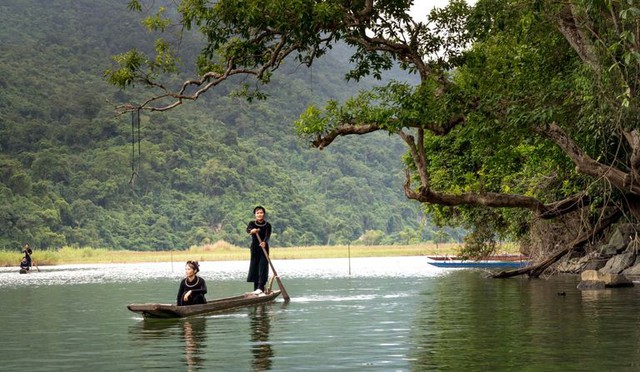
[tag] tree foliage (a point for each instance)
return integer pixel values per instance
(522, 109)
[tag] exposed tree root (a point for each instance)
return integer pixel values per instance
(536, 270)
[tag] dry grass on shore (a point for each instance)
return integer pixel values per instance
(222, 251)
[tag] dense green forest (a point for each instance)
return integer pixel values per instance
(521, 123)
(72, 173)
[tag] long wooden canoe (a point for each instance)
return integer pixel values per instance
(477, 264)
(175, 311)
(497, 257)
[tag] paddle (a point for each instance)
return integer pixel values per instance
(285, 295)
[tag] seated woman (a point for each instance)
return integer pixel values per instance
(192, 288)
(24, 265)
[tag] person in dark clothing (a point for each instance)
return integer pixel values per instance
(260, 231)
(192, 288)
(25, 264)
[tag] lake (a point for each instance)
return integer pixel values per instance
(364, 314)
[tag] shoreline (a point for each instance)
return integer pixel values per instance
(226, 252)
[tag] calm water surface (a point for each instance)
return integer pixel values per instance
(375, 314)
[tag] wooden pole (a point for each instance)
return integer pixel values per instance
(349, 249)
(285, 295)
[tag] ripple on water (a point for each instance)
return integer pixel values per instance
(394, 267)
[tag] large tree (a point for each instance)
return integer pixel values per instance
(522, 110)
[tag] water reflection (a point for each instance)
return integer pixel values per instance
(456, 321)
(260, 324)
(194, 339)
(595, 295)
(191, 331)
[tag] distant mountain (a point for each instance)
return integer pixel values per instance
(72, 173)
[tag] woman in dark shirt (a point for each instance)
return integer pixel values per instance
(25, 264)
(260, 231)
(192, 288)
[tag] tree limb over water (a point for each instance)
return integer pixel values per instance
(518, 105)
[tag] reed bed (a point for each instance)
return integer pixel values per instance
(222, 251)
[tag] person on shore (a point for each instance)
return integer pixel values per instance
(193, 287)
(260, 231)
(25, 263)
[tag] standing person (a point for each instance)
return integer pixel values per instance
(258, 265)
(25, 264)
(192, 288)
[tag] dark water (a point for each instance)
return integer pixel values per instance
(394, 314)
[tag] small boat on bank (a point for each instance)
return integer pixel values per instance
(477, 264)
(152, 310)
(496, 257)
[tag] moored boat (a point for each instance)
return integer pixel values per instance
(497, 257)
(476, 264)
(154, 310)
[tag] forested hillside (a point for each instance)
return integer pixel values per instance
(72, 173)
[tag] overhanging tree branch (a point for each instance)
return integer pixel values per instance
(584, 163)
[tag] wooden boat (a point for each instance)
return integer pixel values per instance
(477, 264)
(174, 311)
(497, 257)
